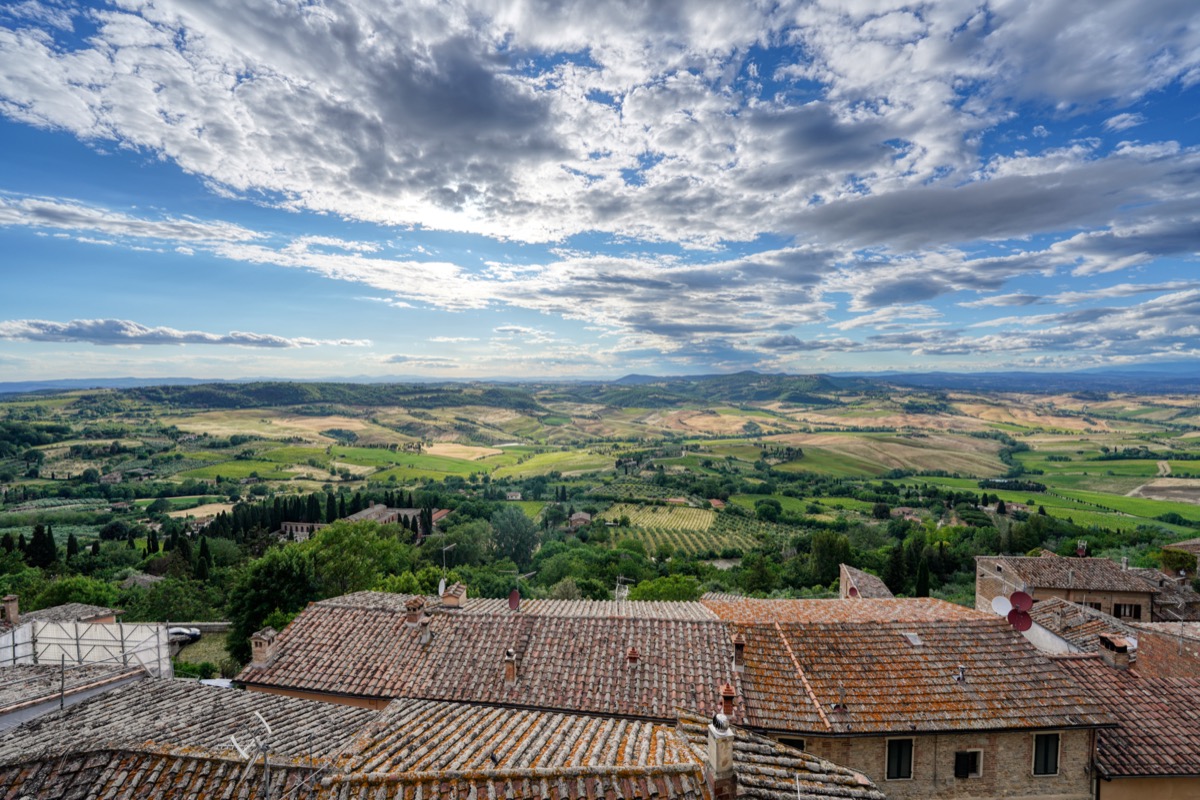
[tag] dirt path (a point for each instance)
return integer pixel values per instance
(1164, 469)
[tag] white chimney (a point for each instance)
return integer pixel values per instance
(720, 758)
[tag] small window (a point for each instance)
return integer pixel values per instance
(1096, 606)
(792, 741)
(899, 759)
(968, 764)
(1045, 754)
(1127, 610)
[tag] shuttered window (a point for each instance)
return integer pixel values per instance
(899, 759)
(1045, 754)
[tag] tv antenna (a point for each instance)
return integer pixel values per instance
(258, 747)
(622, 590)
(514, 597)
(445, 549)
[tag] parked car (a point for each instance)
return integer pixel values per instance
(192, 634)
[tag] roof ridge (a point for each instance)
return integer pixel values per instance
(803, 678)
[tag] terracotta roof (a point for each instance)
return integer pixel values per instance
(766, 769)
(1176, 600)
(1050, 571)
(869, 586)
(1188, 630)
(1158, 719)
(30, 684)
(570, 662)
(633, 609)
(1078, 625)
(1188, 545)
(68, 612)
(840, 677)
(748, 610)
(166, 738)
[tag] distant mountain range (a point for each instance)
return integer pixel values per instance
(649, 391)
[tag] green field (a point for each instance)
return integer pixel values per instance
(565, 461)
(673, 517)
(238, 470)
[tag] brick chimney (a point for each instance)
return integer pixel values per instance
(510, 667)
(739, 652)
(10, 612)
(414, 607)
(262, 647)
(632, 655)
(720, 771)
(455, 596)
(728, 693)
(1114, 650)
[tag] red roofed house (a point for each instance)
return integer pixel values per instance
(927, 699)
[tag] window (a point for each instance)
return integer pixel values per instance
(1096, 606)
(1045, 754)
(792, 741)
(968, 763)
(899, 759)
(1127, 610)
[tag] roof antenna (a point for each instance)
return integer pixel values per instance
(258, 747)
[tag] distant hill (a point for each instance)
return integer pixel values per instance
(1157, 379)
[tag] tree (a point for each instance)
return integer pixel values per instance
(41, 551)
(922, 589)
(76, 589)
(515, 535)
(353, 556)
(670, 587)
(829, 551)
(72, 545)
(895, 572)
(881, 511)
(1000, 507)
(282, 579)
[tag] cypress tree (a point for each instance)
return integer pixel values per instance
(895, 572)
(922, 580)
(96, 549)
(330, 508)
(72, 546)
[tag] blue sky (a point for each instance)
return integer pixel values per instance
(588, 189)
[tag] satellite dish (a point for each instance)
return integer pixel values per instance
(853, 591)
(1021, 601)
(514, 600)
(1020, 620)
(441, 587)
(1001, 605)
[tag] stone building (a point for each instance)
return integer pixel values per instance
(1093, 582)
(863, 585)
(927, 699)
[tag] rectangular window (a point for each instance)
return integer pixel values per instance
(1127, 610)
(899, 759)
(1096, 606)
(792, 741)
(968, 763)
(1045, 754)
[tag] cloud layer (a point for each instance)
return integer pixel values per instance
(127, 332)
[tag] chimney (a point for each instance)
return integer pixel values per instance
(1124, 562)
(510, 667)
(720, 758)
(426, 634)
(728, 693)
(10, 611)
(455, 596)
(262, 647)
(414, 607)
(1114, 650)
(1081, 548)
(632, 656)
(739, 652)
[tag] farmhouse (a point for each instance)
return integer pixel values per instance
(925, 698)
(1093, 582)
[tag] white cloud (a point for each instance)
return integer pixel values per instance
(1123, 122)
(127, 332)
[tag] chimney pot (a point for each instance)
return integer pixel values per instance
(728, 693)
(1114, 650)
(739, 652)
(632, 655)
(720, 770)
(510, 667)
(10, 611)
(426, 633)
(262, 647)
(414, 607)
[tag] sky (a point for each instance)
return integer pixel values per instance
(584, 189)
